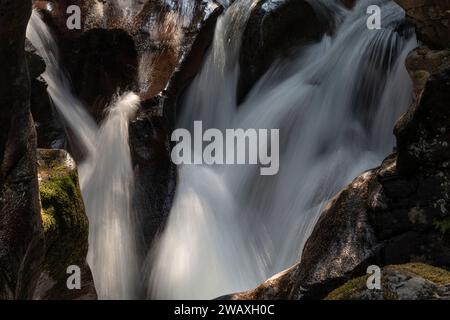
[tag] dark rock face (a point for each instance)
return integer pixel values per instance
(154, 171)
(100, 63)
(273, 31)
(50, 132)
(21, 234)
(432, 20)
(423, 132)
(66, 228)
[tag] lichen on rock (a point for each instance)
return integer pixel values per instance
(399, 282)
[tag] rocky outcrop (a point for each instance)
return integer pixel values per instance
(66, 228)
(432, 20)
(21, 234)
(155, 173)
(274, 30)
(413, 281)
(119, 50)
(422, 133)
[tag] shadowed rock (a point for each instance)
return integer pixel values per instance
(432, 20)
(21, 234)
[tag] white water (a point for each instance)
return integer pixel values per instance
(106, 175)
(107, 189)
(335, 105)
(128, 7)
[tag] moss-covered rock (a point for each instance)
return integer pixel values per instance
(66, 227)
(399, 282)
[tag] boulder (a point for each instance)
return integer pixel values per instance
(21, 233)
(423, 131)
(412, 281)
(66, 228)
(275, 30)
(432, 20)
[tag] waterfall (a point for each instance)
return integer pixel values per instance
(106, 175)
(335, 105)
(107, 186)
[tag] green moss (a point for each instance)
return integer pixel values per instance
(356, 286)
(346, 291)
(430, 273)
(442, 225)
(63, 215)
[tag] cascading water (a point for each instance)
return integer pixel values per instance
(106, 175)
(230, 228)
(107, 185)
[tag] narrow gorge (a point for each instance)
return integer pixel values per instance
(89, 117)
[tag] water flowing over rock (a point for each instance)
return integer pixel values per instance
(106, 167)
(396, 213)
(139, 227)
(155, 174)
(273, 31)
(107, 185)
(21, 233)
(230, 228)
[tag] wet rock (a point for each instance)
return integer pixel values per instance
(101, 63)
(154, 171)
(190, 64)
(431, 19)
(274, 30)
(49, 129)
(21, 234)
(413, 281)
(66, 228)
